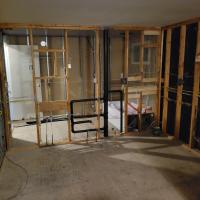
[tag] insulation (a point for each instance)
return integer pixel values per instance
(188, 81)
(173, 78)
(185, 123)
(197, 132)
(190, 53)
(174, 61)
(171, 117)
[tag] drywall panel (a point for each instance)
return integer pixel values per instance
(19, 75)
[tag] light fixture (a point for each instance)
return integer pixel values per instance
(43, 43)
(69, 66)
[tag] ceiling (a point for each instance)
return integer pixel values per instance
(98, 12)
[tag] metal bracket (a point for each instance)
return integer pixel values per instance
(124, 81)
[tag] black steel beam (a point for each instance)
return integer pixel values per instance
(106, 53)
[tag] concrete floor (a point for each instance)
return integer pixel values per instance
(118, 168)
(56, 132)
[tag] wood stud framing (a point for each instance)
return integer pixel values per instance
(47, 105)
(6, 111)
(195, 91)
(47, 26)
(166, 81)
(180, 77)
(142, 78)
(159, 70)
(126, 54)
(43, 106)
(195, 95)
(67, 80)
(38, 123)
(143, 90)
(97, 80)
(62, 105)
(142, 55)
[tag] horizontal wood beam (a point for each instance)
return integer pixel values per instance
(52, 106)
(144, 93)
(152, 32)
(134, 28)
(150, 80)
(49, 77)
(189, 21)
(49, 50)
(142, 88)
(135, 78)
(48, 26)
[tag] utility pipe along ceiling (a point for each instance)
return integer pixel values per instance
(98, 12)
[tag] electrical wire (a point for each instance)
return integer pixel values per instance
(22, 186)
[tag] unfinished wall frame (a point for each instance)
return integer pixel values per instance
(131, 91)
(195, 97)
(47, 104)
(182, 76)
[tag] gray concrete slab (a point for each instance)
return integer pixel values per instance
(121, 168)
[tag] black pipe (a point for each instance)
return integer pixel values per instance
(83, 122)
(73, 123)
(85, 130)
(84, 100)
(121, 111)
(86, 116)
(106, 52)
